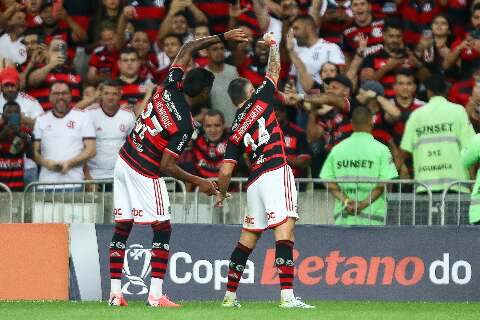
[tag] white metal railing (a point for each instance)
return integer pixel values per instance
(9, 207)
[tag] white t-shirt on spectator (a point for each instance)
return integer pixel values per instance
(111, 132)
(13, 50)
(31, 108)
(62, 139)
(315, 56)
(275, 26)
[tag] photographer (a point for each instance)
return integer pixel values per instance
(13, 145)
(381, 66)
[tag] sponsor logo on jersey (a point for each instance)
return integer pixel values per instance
(252, 116)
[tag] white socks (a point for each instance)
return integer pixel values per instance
(286, 294)
(156, 286)
(230, 295)
(116, 286)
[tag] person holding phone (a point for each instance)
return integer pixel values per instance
(14, 141)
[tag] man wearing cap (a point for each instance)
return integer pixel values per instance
(11, 44)
(29, 108)
(359, 157)
(434, 136)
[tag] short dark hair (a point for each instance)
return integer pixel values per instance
(129, 50)
(196, 80)
(393, 23)
(215, 113)
(405, 72)
(202, 24)
(436, 84)
(237, 90)
(111, 83)
(61, 82)
(475, 8)
(173, 35)
(361, 117)
(306, 18)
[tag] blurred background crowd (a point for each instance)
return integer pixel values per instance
(102, 59)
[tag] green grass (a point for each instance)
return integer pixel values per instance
(20, 310)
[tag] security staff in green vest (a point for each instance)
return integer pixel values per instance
(359, 157)
(435, 135)
(471, 157)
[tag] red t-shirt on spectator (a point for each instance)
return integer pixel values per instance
(374, 32)
(417, 18)
(296, 146)
(461, 91)
(105, 61)
(332, 31)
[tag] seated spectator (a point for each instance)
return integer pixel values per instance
(133, 86)
(64, 138)
(11, 42)
(364, 25)
(170, 46)
(359, 203)
(112, 125)
(466, 50)
(103, 61)
(14, 141)
(56, 68)
(207, 150)
(418, 17)
(224, 73)
(51, 29)
(296, 145)
(381, 66)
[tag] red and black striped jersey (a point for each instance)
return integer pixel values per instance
(63, 73)
(150, 14)
(332, 30)
(374, 32)
(398, 127)
(165, 125)
(249, 70)
(461, 91)
(217, 12)
(384, 8)
(132, 93)
(255, 131)
(59, 32)
(12, 165)
(248, 18)
(458, 14)
(296, 146)
(105, 61)
(418, 17)
(207, 156)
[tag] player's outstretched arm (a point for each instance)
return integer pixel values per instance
(224, 176)
(189, 48)
(273, 66)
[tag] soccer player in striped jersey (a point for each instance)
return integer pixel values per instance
(271, 192)
(160, 135)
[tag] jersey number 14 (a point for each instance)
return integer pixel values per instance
(263, 136)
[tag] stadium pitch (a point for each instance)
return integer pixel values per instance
(250, 310)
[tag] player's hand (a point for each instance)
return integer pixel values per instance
(236, 35)
(269, 39)
(208, 187)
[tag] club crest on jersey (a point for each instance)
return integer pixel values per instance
(123, 128)
(71, 124)
(376, 32)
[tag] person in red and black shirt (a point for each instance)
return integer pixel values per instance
(381, 66)
(13, 145)
(418, 16)
(133, 87)
(201, 30)
(271, 192)
(253, 65)
(151, 151)
(461, 91)
(217, 12)
(56, 69)
(170, 45)
(103, 61)
(296, 145)
(208, 149)
(337, 18)
(148, 58)
(148, 16)
(363, 23)
(382, 9)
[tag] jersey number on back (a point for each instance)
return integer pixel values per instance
(263, 137)
(141, 128)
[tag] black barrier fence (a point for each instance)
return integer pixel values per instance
(332, 263)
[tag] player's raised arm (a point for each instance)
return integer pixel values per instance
(273, 66)
(189, 48)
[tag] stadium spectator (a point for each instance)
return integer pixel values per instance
(364, 25)
(267, 23)
(176, 21)
(296, 146)
(57, 68)
(14, 141)
(466, 49)
(103, 61)
(251, 64)
(418, 17)
(361, 157)
(133, 86)
(112, 125)
(64, 138)
(332, 18)
(8, 8)
(434, 136)
(170, 45)
(148, 58)
(11, 41)
(312, 50)
(224, 73)
(201, 30)
(106, 16)
(36, 54)
(148, 14)
(386, 8)
(461, 91)
(381, 66)
(206, 154)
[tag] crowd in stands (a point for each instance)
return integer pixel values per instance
(103, 59)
